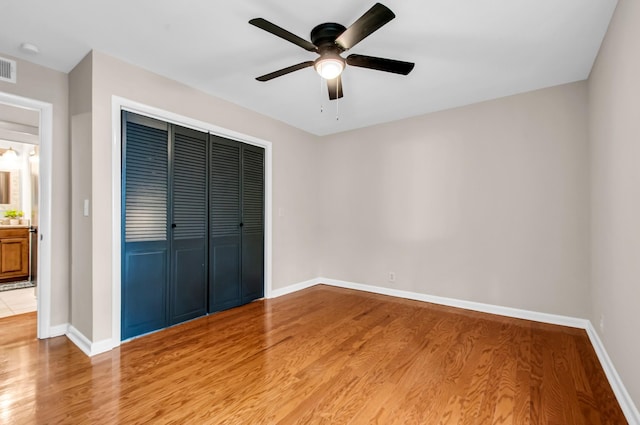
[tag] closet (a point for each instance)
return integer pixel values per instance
(193, 224)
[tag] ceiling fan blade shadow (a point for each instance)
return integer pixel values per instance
(367, 24)
(283, 33)
(335, 88)
(284, 71)
(380, 64)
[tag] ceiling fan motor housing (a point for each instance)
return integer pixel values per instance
(324, 37)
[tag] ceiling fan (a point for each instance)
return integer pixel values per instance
(330, 40)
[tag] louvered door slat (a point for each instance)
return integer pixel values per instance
(146, 174)
(225, 189)
(253, 190)
(189, 187)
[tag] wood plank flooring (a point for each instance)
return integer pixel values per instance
(322, 355)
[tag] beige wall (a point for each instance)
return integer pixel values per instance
(614, 108)
(295, 173)
(46, 85)
(487, 203)
(80, 81)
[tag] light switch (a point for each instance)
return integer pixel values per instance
(85, 209)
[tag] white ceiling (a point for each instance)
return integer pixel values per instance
(465, 50)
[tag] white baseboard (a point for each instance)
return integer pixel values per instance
(467, 305)
(293, 288)
(81, 341)
(624, 399)
(102, 346)
(84, 344)
(58, 330)
(626, 403)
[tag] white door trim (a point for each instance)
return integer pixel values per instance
(44, 202)
(117, 105)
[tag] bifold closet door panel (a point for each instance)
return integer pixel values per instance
(253, 223)
(145, 242)
(224, 224)
(189, 225)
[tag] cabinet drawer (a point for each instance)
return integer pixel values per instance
(14, 233)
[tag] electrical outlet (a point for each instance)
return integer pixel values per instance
(392, 277)
(602, 323)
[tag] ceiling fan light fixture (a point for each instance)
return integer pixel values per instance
(329, 66)
(10, 154)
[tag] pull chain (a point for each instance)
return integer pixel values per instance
(337, 99)
(321, 107)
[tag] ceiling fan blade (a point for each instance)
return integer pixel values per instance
(335, 88)
(284, 71)
(368, 23)
(283, 33)
(380, 64)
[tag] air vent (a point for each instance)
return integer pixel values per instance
(7, 70)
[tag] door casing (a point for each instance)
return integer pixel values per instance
(43, 289)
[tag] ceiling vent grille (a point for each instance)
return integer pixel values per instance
(7, 70)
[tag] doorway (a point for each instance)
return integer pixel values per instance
(19, 185)
(25, 143)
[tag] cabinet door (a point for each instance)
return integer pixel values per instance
(145, 262)
(225, 225)
(14, 258)
(189, 225)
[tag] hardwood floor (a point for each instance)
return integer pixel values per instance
(322, 355)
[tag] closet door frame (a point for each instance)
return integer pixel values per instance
(120, 104)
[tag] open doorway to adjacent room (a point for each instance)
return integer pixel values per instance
(19, 209)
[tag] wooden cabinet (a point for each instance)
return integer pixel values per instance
(14, 254)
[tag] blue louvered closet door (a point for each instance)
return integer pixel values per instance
(164, 274)
(188, 289)
(236, 222)
(145, 253)
(225, 225)
(253, 223)
(193, 224)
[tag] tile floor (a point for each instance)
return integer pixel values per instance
(17, 301)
